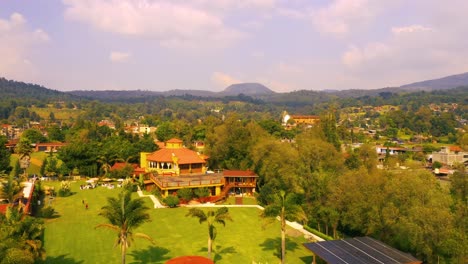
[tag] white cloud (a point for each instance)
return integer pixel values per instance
(343, 17)
(337, 17)
(409, 53)
(16, 42)
(410, 29)
(223, 80)
(355, 56)
(116, 56)
(172, 23)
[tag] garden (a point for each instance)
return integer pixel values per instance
(71, 236)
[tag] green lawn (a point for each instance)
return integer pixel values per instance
(37, 158)
(71, 238)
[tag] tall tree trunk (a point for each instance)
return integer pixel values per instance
(210, 242)
(124, 252)
(283, 237)
(283, 246)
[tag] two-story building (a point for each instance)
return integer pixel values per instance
(174, 167)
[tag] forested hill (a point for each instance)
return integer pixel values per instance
(444, 83)
(13, 90)
(29, 94)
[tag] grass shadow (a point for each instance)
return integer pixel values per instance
(219, 251)
(62, 259)
(274, 244)
(151, 254)
(307, 259)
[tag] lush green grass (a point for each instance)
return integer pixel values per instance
(37, 158)
(62, 114)
(245, 200)
(72, 238)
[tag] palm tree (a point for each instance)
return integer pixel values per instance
(211, 217)
(11, 190)
(284, 206)
(124, 215)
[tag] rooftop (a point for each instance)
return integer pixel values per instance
(363, 250)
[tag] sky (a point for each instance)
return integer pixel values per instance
(286, 45)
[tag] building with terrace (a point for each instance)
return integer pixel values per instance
(174, 167)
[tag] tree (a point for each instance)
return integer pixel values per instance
(34, 135)
(124, 215)
(211, 217)
(284, 206)
(165, 131)
(4, 155)
(11, 189)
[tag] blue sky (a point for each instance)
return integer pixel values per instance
(286, 45)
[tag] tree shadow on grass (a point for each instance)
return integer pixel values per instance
(150, 255)
(274, 244)
(219, 251)
(307, 259)
(62, 259)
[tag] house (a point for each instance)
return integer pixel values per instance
(294, 120)
(174, 167)
(49, 147)
(450, 156)
(173, 159)
(241, 182)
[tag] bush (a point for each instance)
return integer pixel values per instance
(202, 192)
(65, 189)
(171, 201)
(185, 193)
(317, 233)
(48, 212)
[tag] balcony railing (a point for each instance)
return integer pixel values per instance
(173, 184)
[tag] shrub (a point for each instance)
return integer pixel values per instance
(65, 189)
(317, 233)
(185, 193)
(48, 212)
(171, 201)
(202, 192)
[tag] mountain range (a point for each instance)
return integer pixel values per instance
(254, 90)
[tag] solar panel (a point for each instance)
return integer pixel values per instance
(359, 250)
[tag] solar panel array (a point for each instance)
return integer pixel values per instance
(359, 250)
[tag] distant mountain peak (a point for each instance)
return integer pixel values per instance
(448, 82)
(247, 89)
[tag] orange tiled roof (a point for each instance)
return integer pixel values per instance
(239, 173)
(185, 156)
(121, 165)
(455, 148)
(174, 140)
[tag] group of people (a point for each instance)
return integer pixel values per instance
(87, 186)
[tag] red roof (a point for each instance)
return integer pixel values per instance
(51, 144)
(239, 173)
(190, 260)
(185, 156)
(3, 208)
(121, 165)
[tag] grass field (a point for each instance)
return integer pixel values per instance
(72, 238)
